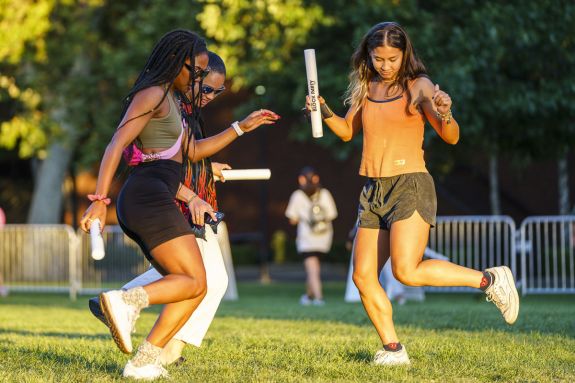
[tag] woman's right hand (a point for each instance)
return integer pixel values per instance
(96, 210)
(217, 170)
(258, 118)
(324, 110)
(308, 102)
(198, 208)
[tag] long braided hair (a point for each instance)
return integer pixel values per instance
(163, 66)
(382, 34)
(198, 175)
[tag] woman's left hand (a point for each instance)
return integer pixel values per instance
(258, 118)
(441, 100)
(198, 208)
(217, 170)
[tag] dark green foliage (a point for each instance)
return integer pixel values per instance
(509, 67)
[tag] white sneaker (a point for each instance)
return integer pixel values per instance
(391, 358)
(503, 293)
(121, 317)
(304, 300)
(145, 372)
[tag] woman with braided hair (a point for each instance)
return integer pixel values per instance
(146, 209)
(198, 180)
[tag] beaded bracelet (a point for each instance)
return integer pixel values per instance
(445, 117)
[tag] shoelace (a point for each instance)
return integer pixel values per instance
(379, 357)
(383, 355)
(497, 297)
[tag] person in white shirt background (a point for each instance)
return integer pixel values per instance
(312, 209)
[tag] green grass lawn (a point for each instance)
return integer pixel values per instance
(267, 337)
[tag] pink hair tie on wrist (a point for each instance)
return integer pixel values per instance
(98, 197)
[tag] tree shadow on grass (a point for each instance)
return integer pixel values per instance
(465, 312)
(50, 300)
(69, 360)
(55, 334)
(460, 312)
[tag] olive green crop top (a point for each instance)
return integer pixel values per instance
(163, 132)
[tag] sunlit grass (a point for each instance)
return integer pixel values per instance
(267, 336)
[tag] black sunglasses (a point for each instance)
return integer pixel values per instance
(206, 89)
(197, 72)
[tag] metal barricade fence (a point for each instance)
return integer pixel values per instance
(124, 260)
(548, 254)
(54, 258)
(477, 242)
(40, 258)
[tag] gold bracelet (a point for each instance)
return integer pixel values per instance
(445, 117)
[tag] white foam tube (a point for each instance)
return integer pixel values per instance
(97, 240)
(313, 92)
(245, 174)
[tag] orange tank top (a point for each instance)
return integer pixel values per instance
(392, 139)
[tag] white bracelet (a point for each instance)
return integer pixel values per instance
(236, 126)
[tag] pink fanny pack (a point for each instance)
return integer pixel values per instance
(133, 155)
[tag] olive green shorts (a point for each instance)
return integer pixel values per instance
(386, 200)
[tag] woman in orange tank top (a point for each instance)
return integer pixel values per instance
(390, 98)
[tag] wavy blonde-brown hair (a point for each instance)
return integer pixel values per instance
(383, 34)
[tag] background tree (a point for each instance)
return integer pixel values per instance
(78, 69)
(65, 67)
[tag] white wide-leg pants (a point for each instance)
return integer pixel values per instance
(195, 329)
